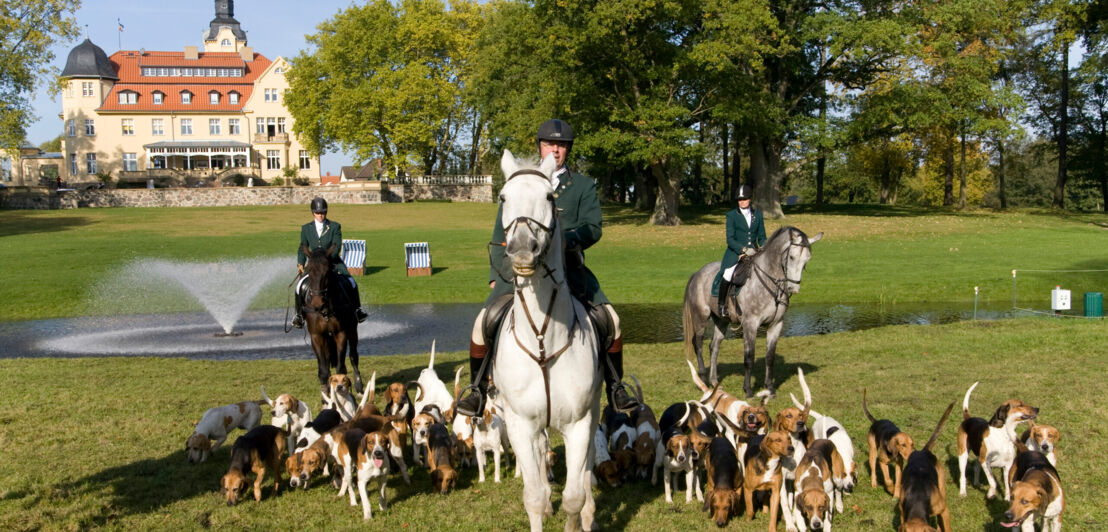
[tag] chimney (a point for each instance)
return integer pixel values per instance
(247, 53)
(190, 53)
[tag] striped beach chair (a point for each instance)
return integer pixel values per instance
(353, 255)
(417, 258)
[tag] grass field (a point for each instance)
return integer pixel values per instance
(888, 255)
(94, 443)
(98, 442)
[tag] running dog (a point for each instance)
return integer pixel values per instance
(258, 451)
(923, 489)
(290, 413)
(1036, 494)
(217, 423)
(827, 428)
(886, 444)
(993, 441)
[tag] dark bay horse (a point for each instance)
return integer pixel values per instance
(329, 315)
(764, 298)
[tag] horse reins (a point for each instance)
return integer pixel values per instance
(780, 286)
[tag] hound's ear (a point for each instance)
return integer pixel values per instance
(704, 507)
(1056, 434)
(814, 239)
(508, 163)
(1000, 416)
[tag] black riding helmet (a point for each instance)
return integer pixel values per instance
(743, 192)
(319, 205)
(555, 129)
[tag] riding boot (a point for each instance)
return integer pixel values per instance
(359, 312)
(618, 397)
(474, 403)
(298, 317)
(721, 305)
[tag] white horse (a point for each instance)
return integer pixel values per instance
(545, 366)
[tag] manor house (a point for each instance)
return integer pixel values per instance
(180, 117)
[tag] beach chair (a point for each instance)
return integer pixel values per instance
(417, 258)
(353, 255)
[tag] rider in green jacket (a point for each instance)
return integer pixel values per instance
(580, 219)
(323, 233)
(746, 233)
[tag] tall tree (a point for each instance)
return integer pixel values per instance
(384, 80)
(28, 31)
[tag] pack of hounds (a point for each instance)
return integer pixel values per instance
(797, 466)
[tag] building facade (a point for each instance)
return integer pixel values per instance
(180, 117)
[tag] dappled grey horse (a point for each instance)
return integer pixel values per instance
(764, 298)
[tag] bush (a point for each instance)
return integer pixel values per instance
(300, 181)
(278, 182)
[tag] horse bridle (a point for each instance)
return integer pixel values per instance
(531, 222)
(780, 286)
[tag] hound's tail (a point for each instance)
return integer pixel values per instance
(866, 408)
(638, 389)
(935, 435)
(696, 378)
(431, 365)
(965, 402)
(811, 413)
(371, 391)
(266, 398)
(807, 394)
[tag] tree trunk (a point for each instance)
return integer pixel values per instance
(766, 175)
(477, 128)
(1063, 129)
(1001, 193)
(698, 184)
(962, 172)
(1099, 166)
(725, 130)
(948, 171)
(644, 190)
(665, 208)
(736, 166)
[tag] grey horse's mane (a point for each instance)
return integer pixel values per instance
(787, 237)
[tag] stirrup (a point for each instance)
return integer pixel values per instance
(622, 401)
(473, 404)
(298, 321)
(721, 310)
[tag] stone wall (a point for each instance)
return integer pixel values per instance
(361, 194)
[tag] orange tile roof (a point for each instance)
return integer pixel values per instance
(127, 65)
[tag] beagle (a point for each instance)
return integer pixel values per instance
(762, 471)
(621, 438)
(923, 489)
(1042, 438)
(258, 451)
(725, 480)
(993, 441)
(647, 435)
(399, 405)
(440, 459)
(489, 435)
(794, 421)
(216, 423)
(290, 413)
(605, 469)
(345, 452)
(324, 421)
(886, 444)
(374, 455)
(827, 428)
(750, 419)
(675, 453)
(815, 485)
(1036, 494)
(338, 396)
(421, 426)
(368, 406)
(430, 390)
(302, 464)
(462, 425)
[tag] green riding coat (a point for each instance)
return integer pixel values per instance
(332, 236)
(580, 219)
(740, 236)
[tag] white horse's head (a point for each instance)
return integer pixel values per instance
(797, 255)
(528, 213)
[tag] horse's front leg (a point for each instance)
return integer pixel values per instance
(576, 497)
(527, 441)
(319, 345)
(352, 349)
(772, 334)
(340, 350)
(719, 331)
(750, 336)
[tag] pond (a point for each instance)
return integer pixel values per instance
(400, 329)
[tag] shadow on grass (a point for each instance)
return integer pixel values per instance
(22, 222)
(782, 372)
(435, 270)
(370, 270)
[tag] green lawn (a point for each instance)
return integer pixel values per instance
(54, 259)
(99, 442)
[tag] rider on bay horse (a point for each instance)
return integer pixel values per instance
(579, 215)
(746, 233)
(323, 233)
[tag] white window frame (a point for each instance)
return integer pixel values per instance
(90, 163)
(157, 127)
(273, 159)
(86, 88)
(186, 126)
(71, 128)
(128, 127)
(305, 160)
(130, 162)
(90, 127)
(281, 124)
(260, 121)
(233, 98)
(5, 168)
(73, 168)
(186, 98)
(214, 127)
(128, 98)
(213, 98)
(233, 127)
(158, 97)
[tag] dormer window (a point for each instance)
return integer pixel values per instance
(128, 97)
(233, 98)
(225, 42)
(158, 97)
(186, 97)
(213, 98)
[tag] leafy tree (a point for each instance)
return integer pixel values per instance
(53, 145)
(384, 80)
(28, 30)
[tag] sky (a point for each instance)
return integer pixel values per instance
(273, 27)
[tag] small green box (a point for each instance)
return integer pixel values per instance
(1094, 305)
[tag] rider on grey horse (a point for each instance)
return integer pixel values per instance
(746, 233)
(323, 233)
(579, 215)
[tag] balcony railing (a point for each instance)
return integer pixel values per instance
(444, 180)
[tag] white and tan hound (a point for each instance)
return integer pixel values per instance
(993, 441)
(1042, 438)
(217, 423)
(1036, 494)
(289, 413)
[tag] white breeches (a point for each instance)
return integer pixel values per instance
(730, 272)
(478, 337)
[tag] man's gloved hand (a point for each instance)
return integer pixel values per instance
(749, 252)
(300, 269)
(575, 257)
